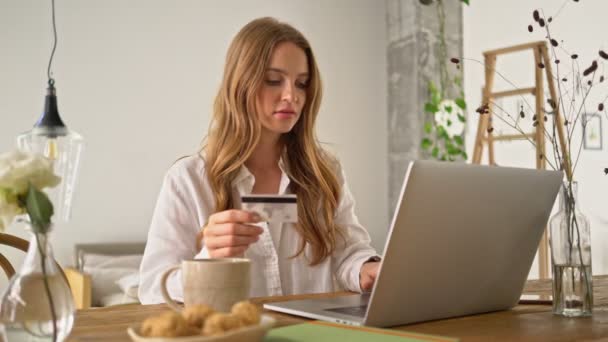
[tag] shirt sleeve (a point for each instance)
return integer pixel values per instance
(356, 249)
(171, 238)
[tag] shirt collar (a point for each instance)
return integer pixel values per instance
(284, 184)
(243, 175)
(244, 179)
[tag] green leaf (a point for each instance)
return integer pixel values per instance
(435, 152)
(461, 118)
(428, 128)
(448, 109)
(461, 103)
(457, 81)
(449, 123)
(434, 93)
(464, 155)
(39, 208)
(432, 87)
(436, 99)
(430, 108)
(458, 140)
(465, 1)
(450, 148)
(442, 133)
(454, 151)
(426, 143)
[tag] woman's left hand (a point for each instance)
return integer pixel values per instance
(367, 275)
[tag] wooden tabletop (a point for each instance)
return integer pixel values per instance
(522, 323)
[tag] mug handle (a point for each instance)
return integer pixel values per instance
(163, 288)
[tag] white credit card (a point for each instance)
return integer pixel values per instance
(272, 208)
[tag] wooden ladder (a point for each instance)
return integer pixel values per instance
(485, 131)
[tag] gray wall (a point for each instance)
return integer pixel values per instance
(412, 54)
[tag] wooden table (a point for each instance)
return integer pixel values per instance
(522, 323)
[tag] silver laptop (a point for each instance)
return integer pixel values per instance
(462, 241)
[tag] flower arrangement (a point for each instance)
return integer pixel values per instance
(23, 177)
(569, 228)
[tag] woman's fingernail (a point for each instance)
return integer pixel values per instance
(257, 217)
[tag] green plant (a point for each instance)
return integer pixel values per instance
(444, 116)
(444, 129)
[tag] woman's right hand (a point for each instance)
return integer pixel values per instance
(229, 233)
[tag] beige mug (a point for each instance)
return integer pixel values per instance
(219, 282)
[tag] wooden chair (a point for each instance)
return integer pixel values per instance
(80, 283)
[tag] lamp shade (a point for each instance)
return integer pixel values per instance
(51, 138)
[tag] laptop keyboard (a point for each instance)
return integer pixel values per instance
(357, 311)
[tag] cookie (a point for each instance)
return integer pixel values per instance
(248, 312)
(168, 324)
(219, 323)
(197, 314)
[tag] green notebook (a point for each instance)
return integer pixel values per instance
(318, 331)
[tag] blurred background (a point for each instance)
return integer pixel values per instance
(137, 79)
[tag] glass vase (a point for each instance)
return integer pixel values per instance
(570, 243)
(37, 304)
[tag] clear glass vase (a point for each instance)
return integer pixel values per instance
(37, 296)
(570, 242)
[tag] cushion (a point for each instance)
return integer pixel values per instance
(112, 274)
(111, 261)
(116, 299)
(129, 284)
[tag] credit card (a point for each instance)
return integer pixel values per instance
(272, 208)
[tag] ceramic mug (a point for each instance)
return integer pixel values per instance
(218, 282)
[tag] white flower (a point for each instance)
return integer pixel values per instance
(17, 171)
(447, 117)
(8, 208)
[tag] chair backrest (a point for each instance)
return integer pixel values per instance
(79, 284)
(81, 250)
(15, 242)
(19, 243)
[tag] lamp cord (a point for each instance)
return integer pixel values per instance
(48, 71)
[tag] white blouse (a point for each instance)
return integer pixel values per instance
(186, 201)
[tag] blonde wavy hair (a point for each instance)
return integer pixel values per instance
(235, 131)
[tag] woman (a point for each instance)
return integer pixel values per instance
(262, 141)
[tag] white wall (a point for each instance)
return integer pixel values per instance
(137, 80)
(492, 24)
